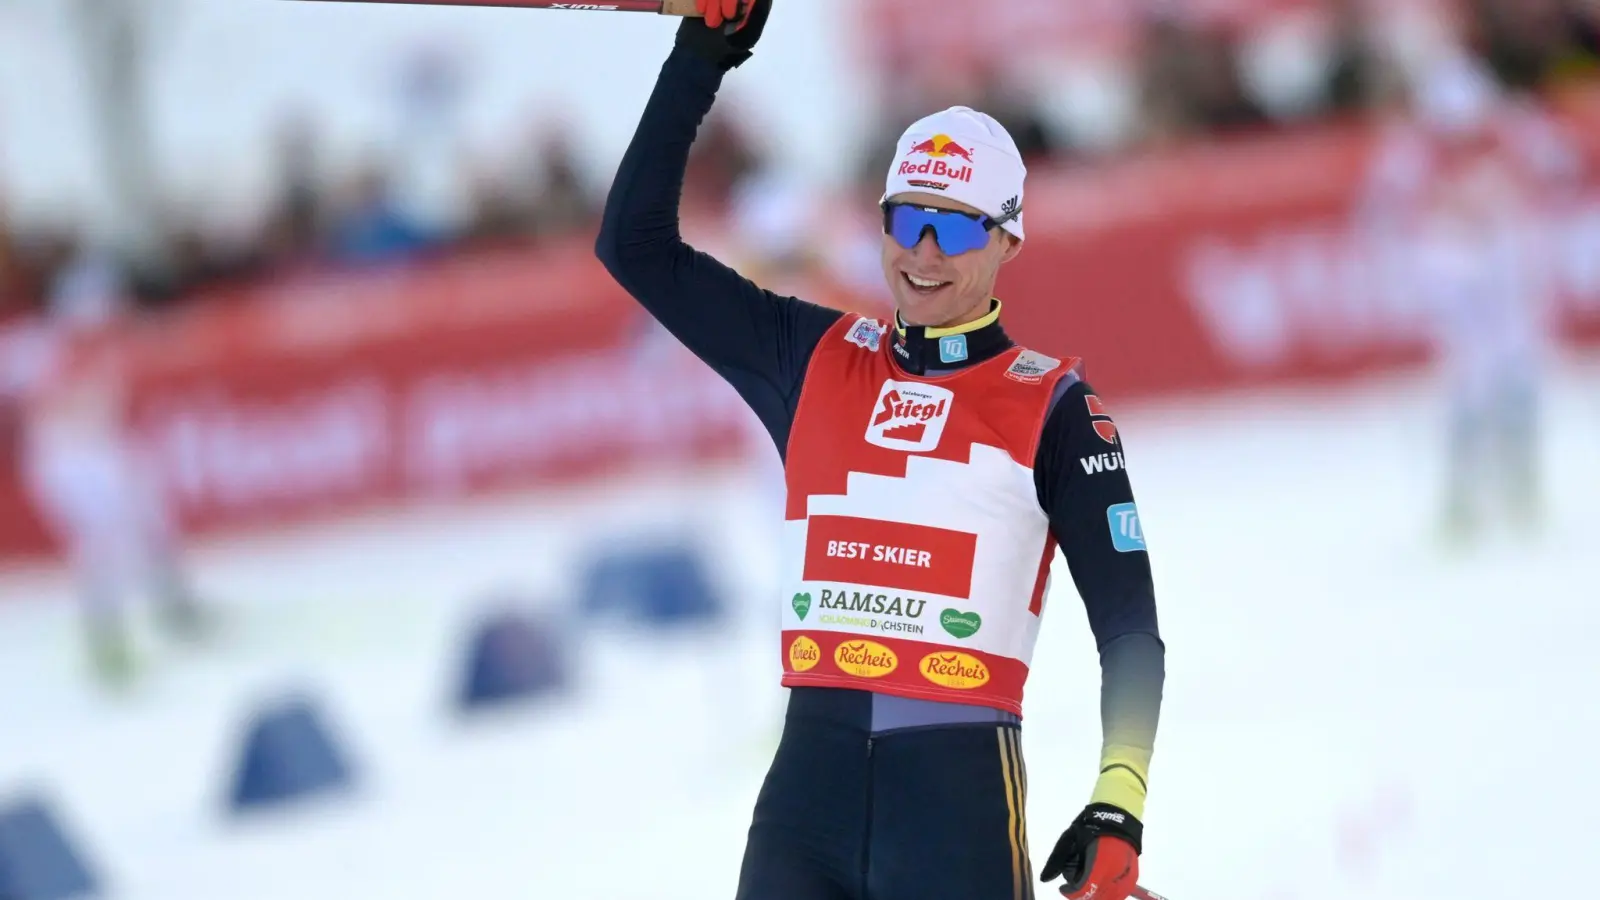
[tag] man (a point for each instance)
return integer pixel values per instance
(1463, 183)
(89, 478)
(932, 467)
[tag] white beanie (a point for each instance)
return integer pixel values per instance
(965, 155)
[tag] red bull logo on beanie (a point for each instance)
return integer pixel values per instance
(940, 145)
(942, 153)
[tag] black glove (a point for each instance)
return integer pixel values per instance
(1098, 854)
(729, 43)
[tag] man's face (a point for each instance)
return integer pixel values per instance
(942, 291)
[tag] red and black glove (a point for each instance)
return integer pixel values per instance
(728, 32)
(717, 12)
(1098, 855)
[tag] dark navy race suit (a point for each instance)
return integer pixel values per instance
(876, 797)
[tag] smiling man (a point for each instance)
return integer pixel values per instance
(932, 467)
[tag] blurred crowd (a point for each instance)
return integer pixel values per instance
(1188, 81)
(1194, 78)
(367, 217)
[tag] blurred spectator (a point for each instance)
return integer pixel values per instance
(1524, 41)
(369, 227)
(776, 229)
(562, 203)
(1193, 77)
(294, 225)
(1190, 81)
(424, 170)
(1010, 103)
(500, 209)
(1361, 76)
(36, 256)
(13, 284)
(723, 156)
(543, 195)
(89, 285)
(1580, 57)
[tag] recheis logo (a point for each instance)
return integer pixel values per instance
(865, 659)
(961, 671)
(938, 149)
(909, 416)
(804, 654)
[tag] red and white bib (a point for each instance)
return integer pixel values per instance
(916, 556)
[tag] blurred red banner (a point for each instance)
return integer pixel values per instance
(960, 32)
(1262, 261)
(1294, 258)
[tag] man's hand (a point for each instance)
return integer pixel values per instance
(728, 31)
(1098, 855)
(716, 12)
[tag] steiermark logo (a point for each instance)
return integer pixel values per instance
(802, 605)
(960, 624)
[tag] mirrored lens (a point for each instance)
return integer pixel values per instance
(955, 232)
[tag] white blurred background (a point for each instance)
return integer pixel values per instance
(311, 391)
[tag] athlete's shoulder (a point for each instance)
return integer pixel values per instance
(1077, 412)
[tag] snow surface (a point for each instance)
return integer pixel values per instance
(1351, 710)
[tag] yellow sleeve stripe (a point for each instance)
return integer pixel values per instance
(1124, 778)
(1122, 789)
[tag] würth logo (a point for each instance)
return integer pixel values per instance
(909, 416)
(1101, 462)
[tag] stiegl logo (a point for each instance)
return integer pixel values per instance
(909, 416)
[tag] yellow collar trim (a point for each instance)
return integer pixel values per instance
(992, 317)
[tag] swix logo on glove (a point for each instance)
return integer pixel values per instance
(1116, 817)
(909, 416)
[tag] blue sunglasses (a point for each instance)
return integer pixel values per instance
(955, 231)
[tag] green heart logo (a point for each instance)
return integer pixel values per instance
(961, 624)
(802, 605)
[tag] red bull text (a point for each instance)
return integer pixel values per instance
(940, 147)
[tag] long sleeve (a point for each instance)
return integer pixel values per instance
(760, 342)
(1084, 488)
